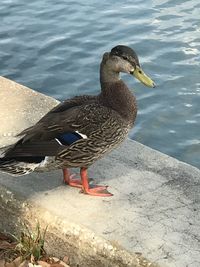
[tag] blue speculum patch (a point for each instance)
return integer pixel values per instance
(69, 138)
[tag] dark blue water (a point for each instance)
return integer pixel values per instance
(55, 47)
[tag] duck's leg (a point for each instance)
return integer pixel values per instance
(70, 180)
(94, 190)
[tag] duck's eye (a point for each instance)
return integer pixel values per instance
(125, 57)
(140, 71)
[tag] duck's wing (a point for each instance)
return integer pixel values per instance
(66, 105)
(59, 129)
(42, 134)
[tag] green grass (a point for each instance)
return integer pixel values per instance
(30, 245)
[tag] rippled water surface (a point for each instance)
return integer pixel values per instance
(55, 47)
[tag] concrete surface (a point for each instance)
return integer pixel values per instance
(154, 210)
(19, 107)
(64, 238)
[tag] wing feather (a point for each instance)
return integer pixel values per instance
(89, 118)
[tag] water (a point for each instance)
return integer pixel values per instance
(55, 47)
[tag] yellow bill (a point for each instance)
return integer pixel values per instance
(142, 77)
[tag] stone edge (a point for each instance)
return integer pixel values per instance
(83, 247)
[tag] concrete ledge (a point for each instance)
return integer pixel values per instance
(154, 211)
(83, 246)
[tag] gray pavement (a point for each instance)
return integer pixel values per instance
(156, 202)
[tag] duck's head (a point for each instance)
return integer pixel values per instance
(124, 59)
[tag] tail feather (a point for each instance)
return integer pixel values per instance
(16, 168)
(23, 158)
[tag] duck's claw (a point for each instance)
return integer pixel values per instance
(97, 190)
(93, 190)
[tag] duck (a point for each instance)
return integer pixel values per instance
(81, 130)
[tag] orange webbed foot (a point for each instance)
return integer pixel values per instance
(93, 190)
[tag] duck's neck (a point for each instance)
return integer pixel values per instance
(107, 75)
(118, 97)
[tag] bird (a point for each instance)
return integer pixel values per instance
(81, 130)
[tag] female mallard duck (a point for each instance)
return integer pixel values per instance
(81, 130)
